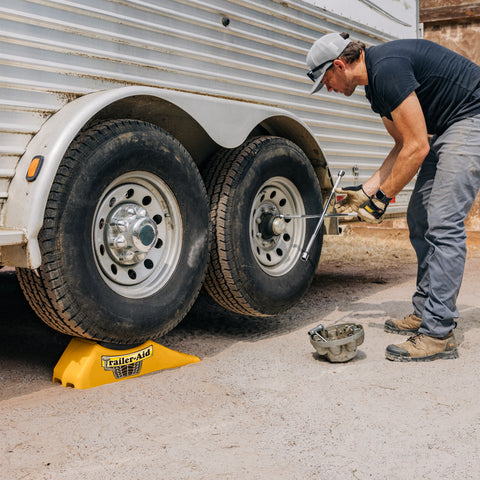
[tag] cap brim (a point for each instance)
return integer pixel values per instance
(318, 85)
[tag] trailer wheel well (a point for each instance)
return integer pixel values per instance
(191, 134)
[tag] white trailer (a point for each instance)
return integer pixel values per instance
(146, 142)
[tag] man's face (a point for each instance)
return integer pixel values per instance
(339, 79)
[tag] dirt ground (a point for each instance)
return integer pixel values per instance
(261, 404)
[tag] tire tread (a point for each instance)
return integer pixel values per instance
(219, 180)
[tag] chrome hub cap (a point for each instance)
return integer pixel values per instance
(130, 234)
(137, 234)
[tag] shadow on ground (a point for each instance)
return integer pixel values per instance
(29, 350)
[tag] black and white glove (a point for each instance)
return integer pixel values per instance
(355, 197)
(372, 210)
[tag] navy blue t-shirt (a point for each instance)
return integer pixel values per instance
(446, 83)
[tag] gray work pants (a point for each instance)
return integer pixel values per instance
(446, 187)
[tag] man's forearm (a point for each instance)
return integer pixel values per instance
(403, 170)
(371, 186)
(409, 131)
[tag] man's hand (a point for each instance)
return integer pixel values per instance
(355, 197)
(373, 209)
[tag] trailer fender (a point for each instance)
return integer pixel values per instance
(227, 123)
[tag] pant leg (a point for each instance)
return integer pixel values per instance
(454, 189)
(417, 221)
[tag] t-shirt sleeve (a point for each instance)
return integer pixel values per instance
(393, 83)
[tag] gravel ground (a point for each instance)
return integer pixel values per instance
(262, 403)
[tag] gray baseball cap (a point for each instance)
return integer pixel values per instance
(321, 55)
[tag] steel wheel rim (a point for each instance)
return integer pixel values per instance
(277, 254)
(156, 237)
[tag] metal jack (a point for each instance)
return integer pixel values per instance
(306, 252)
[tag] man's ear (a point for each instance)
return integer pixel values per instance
(340, 64)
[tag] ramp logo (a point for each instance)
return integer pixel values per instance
(126, 365)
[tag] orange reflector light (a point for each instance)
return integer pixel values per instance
(34, 168)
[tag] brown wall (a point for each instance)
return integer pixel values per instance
(456, 25)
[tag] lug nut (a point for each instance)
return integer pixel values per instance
(129, 255)
(120, 242)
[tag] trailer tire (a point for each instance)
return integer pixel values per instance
(252, 270)
(125, 236)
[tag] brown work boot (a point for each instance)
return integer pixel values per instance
(422, 348)
(408, 325)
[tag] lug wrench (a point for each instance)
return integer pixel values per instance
(306, 252)
(318, 215)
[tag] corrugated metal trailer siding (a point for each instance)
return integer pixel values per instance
(53, 51)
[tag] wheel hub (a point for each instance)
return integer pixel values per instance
(130, 234)
(137, 234)
(275, 241)
(270, 225)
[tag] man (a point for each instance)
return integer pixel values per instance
(419, 89)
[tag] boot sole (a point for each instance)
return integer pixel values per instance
(452, 354)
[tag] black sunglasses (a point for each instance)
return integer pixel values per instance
(311, 75)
